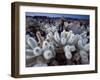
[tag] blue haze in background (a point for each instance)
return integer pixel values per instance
(75, 16)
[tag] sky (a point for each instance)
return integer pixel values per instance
(57, 15)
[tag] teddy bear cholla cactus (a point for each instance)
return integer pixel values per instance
(84, 51)
(68, 40)
(46, 51)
